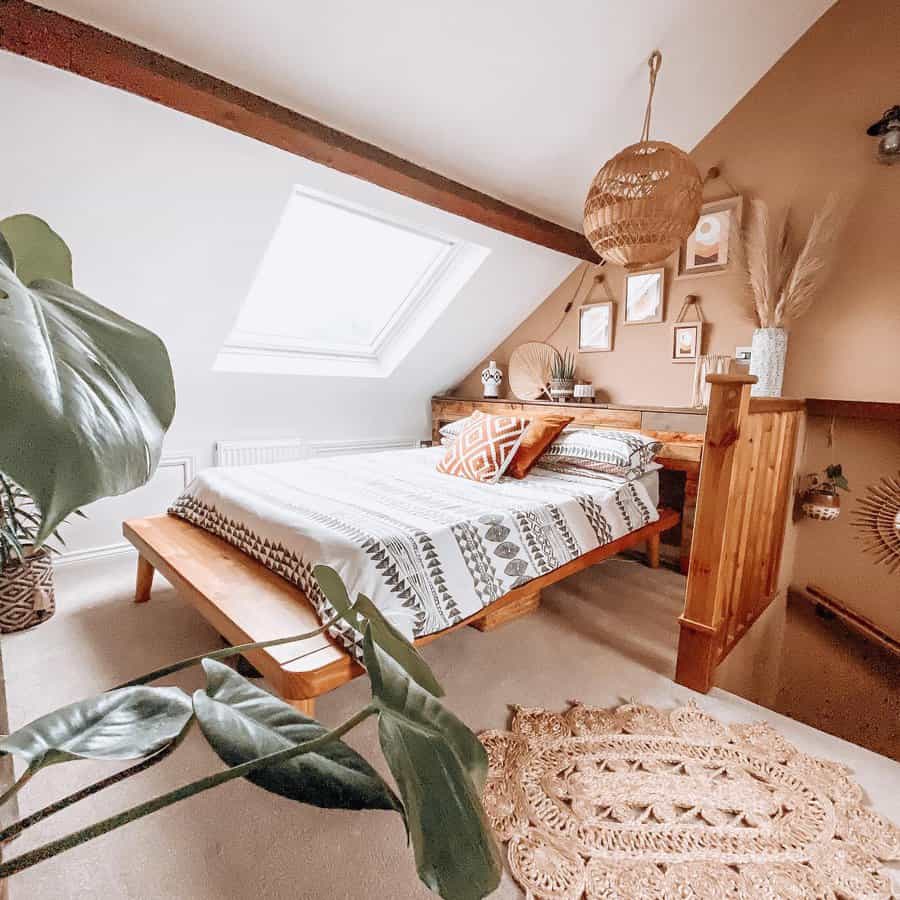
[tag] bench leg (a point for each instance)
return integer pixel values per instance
(144, 580)
(305, 707)
(500, 613)
(653, 550)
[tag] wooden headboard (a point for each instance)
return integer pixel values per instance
(680, 430)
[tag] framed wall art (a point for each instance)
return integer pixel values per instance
(644, 297)
(686, 340)
(711, 247)
(595, 327)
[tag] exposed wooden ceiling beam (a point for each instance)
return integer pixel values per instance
(68, 44)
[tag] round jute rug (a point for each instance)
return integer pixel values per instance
(637, 802)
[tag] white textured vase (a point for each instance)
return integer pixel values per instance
(767, 361)
(491, 378)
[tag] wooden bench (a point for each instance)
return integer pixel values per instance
(245, 602)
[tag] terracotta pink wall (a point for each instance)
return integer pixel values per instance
(798, 135)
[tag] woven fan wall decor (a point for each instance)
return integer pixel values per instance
(646, 200)
(529, 370)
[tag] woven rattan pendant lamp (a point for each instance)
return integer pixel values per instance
(645, 200)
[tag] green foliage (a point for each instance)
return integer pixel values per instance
(563, 368)
(835, 475)
(383, 633)
(87, 394)
(39, 251)
(440, 769)
(242, 722)
(125, 724)
(438, 763)
(19, 522)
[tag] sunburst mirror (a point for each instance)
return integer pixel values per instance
(877, 520)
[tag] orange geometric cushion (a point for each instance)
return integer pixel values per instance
(541, 433)
(484, 448)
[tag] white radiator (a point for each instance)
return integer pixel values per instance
(249, 453)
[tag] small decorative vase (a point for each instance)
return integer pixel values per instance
(561, 389)
(491, 378)
(26, 592)
(821, 504)
(769, 349)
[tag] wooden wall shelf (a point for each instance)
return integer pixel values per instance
(854, 409)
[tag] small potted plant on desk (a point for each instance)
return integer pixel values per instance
(562, 377)
(821, 499)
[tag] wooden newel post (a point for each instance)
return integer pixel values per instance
(715, 533)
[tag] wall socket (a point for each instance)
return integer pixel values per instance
(742, 354)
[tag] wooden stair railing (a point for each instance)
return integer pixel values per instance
(744, 497)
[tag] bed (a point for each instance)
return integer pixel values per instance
(432, 551)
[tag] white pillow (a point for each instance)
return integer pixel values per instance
(453, 429)
(627, 454)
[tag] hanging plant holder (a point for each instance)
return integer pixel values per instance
(646, 200)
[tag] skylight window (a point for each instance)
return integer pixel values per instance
(338, 288)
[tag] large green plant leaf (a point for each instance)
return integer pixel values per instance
(124, 724)
(385, 635)
(87, 394)
(243, 722)
(38, 250)
(440, 768)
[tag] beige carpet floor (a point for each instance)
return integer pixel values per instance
(606, 635)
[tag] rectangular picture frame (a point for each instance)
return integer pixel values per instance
(726, 216)
(686, 336)
(636, 289)
(590, 332)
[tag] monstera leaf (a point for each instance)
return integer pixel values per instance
(243, 722)
(87, 394)
(388, 638)
(440, 768)
(124, 724)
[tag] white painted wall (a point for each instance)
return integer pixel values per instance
(167, 218)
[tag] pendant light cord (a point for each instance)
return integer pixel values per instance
(655, 63)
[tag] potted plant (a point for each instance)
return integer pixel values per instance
(87, 398)
(562, 377)
(821, 499)
(26, 573)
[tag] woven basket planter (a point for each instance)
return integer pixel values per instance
(642, 204)
(26, 592)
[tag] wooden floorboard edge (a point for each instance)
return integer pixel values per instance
(855, 621)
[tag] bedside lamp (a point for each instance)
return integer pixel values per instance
(887, 128)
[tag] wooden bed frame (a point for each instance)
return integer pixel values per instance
(246, 603)
(744, 494)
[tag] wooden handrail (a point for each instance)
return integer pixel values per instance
(746, 479)
(729, 401)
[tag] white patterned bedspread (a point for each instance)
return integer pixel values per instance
(429, 549)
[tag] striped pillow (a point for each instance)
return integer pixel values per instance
(623, 453)
(452, 430)
(484, 448)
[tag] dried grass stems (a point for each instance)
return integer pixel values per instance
(785, 279)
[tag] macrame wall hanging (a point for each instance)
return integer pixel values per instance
(646, 200)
